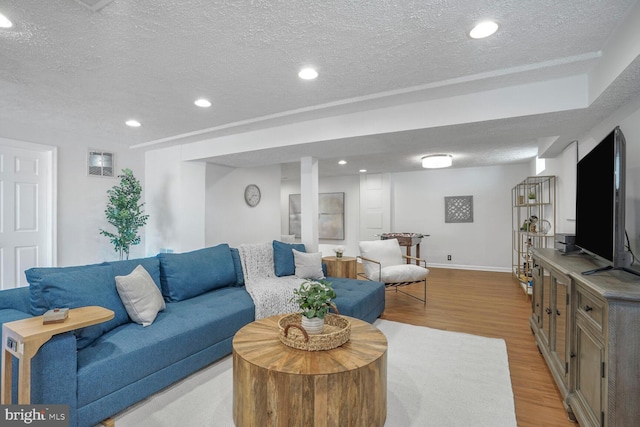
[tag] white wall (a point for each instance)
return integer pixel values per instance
(484, 244)
(175, 202)
(628, 118)
(228, 219)
(82, 200)
(417, 202)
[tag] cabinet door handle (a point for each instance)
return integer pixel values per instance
(588, 308)
(572, 355)
(557, 312)
(548, 310)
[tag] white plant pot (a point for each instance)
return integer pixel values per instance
(313, 326)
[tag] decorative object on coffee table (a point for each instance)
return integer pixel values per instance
(336, 332)
(314, 299)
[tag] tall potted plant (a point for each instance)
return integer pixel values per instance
(314, 299)
(125, 213)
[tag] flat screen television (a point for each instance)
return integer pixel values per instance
(600, 202)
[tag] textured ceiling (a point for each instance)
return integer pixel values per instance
(69, 74)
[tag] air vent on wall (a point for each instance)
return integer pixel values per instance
(94, 5)
(100, 163)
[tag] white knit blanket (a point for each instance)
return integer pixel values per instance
(271, 294)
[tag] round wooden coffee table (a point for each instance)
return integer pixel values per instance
(276, 385)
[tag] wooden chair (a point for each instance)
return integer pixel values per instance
(383, 261)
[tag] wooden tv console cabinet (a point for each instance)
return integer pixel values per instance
(587, 327)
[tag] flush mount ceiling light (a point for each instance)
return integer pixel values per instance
(362, 170)
(4, 22)
(204, 103)
(308, 74)
(483, 29)
(133, 123)
(437, 161)
(342, 162)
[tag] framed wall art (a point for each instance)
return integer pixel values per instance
(330, 215)
(458, 209)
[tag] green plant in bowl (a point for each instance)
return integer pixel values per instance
(314, 298)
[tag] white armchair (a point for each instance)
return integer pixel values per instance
(383, 261)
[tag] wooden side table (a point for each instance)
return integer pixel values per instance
(277, 385)
(23, 339)
(346, 267)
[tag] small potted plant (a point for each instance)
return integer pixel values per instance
(314, 299)
(339, 251)
(532, 197)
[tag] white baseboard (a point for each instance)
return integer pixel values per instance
(470, 267)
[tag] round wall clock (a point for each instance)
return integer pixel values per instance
(252, 195)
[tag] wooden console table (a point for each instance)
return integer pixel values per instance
(23, 339)
(346, 266)
(586, 327)
(277, 385)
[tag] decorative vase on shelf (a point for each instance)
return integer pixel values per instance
(313, 326)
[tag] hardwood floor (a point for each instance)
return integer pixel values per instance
(492, 305)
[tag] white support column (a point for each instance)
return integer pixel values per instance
(309, 203)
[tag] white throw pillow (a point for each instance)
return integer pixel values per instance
(308, 265)
(386, 252)
(140, 296)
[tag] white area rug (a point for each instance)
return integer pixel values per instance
(434, 378)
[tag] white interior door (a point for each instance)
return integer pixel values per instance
(25, 213)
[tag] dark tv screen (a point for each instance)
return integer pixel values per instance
(596, 198)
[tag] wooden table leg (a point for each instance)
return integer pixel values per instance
(6, 377)
(418, 253)
(24, 381)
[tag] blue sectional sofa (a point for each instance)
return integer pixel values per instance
(101, 370)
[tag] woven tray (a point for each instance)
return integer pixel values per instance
(336, 332)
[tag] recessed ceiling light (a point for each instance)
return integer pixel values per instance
(362, 170)
(204, 103)
(133, 123)
(483, 29)
(4, 22)
(342, 162)
(308, 74)
(437, 161)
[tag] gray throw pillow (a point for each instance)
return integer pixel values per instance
(140, 296)
(308, 265)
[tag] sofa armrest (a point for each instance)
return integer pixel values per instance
(54, 373)
(16, 298)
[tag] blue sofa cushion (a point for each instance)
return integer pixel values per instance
(37, 303)
(362, 299)
(92, 285)
(190, 274)
(130, 352)
(283, 262)
(151, 264)
(237, 265)
(9, 315)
